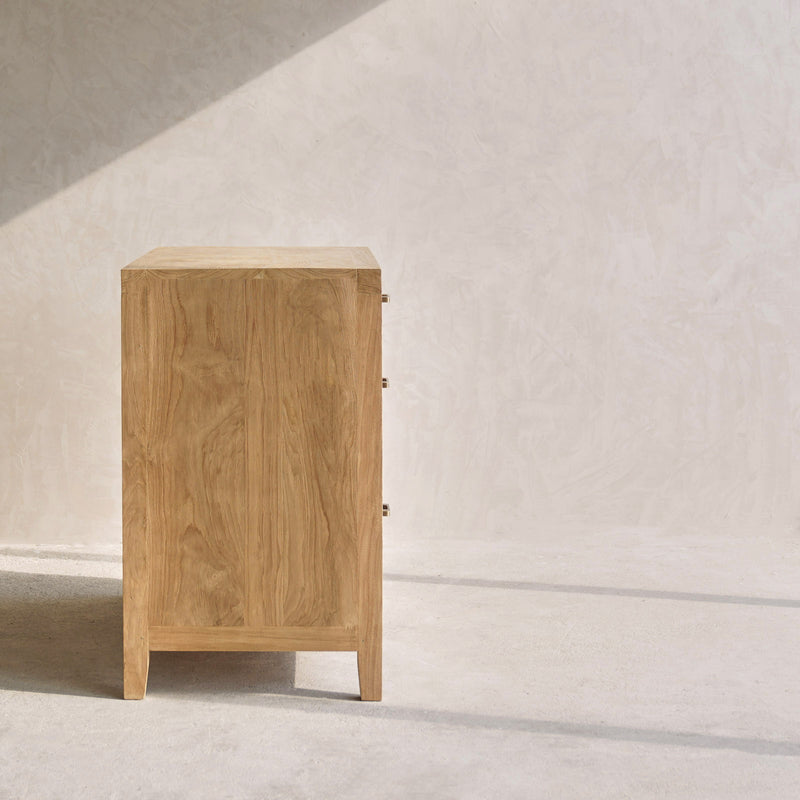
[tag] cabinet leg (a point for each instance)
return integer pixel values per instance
(135, 669)
(369, 669)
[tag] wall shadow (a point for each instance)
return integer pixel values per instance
(214, 673)
(539, 727)
(83, 83)
(613, 591)
(61, 634)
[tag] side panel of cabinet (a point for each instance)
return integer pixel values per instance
(196, 465)
(301, 450)
(251, 403)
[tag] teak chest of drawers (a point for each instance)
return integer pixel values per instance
(251, 454)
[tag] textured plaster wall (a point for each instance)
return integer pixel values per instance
(587, 214)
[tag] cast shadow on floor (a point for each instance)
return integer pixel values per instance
(62, 634)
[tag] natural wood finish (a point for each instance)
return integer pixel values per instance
(369, 281)
(278, 258)
(238, 273)
(251, 454)
(301, 477)
(135, 380)
(196, 441)
(252, 639)
(266, 582)
(370, 508)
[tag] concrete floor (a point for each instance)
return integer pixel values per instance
(627, 663)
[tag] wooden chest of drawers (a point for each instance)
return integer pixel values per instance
(251, 441)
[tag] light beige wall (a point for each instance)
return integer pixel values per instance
(587, 215)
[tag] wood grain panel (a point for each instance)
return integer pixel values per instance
(267, 581)
(196, 473)
(252, 639)
(370, 520)
(134, 488)
(317, 502)
(303, 554)
(369, 281)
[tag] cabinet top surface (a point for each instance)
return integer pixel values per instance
(185, 258)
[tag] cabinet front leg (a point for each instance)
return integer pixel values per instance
(136, 666)
(370, 669)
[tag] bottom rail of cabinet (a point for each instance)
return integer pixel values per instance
(251, 639)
